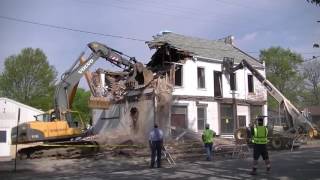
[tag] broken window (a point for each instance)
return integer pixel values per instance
(227, 120)
(201, 78)
(178, 75)
(250, 84)
(217, 83)
(233, 82)
(202, 116)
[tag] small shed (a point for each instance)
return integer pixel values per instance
(8, 119)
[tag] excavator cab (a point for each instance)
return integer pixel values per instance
(74, 119)
(47, 127)
(45, 117)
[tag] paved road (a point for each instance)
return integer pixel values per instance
(301, 164)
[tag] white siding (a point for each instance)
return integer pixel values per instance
(190, 82)
(8, 119)
(190, 88)
(244, 111)
(212, 114)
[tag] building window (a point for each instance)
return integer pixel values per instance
(233, 81)
(227, 120)
(254, 112)
(179, 116)
(250, 84)
(178, 75)
(202, 117)
(201, 78)
(217, 83)
(3, 136)
(242, 121)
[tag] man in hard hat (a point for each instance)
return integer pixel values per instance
(207, 138)
(156, 144)
(260, 140)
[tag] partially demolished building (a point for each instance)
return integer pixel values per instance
(202, 92)
(183, 87)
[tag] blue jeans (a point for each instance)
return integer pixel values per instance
(208, 147)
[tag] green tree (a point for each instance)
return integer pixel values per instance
(282, 71)
(29, 79)
(311, 71)
(80, 104)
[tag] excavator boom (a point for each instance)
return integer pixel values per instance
(297, 119)
(71, 78)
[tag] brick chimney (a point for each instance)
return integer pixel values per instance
(229, 40)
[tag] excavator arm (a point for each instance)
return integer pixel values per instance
(65, 90)
(62, 123)
(297, 119)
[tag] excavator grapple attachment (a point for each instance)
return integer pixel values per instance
(99, 102)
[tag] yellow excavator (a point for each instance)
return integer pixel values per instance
(48, 128)
(62, 123)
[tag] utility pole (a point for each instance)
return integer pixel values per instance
(17, 133)
(235, 113)
(316, 45)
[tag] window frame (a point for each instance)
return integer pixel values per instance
(204, 77)
(250, 81)
(233, 82)
(205, 116)
(3, 136)
(181, 75)
(224, 107)
(220, 83)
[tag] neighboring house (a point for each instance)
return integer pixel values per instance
(314, 112)
(202, 92)
(8, 119)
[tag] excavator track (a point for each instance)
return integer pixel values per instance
(66, 149)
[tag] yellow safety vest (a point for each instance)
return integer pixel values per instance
(208, 136)
(260, 135)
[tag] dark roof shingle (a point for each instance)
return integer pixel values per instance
(212, 49)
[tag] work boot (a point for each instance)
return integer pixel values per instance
(268, 169)
(253, 172)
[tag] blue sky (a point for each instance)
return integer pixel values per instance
(255, 25)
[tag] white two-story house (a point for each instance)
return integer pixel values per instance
(203, 93)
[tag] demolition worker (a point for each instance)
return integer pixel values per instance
(260, 139)
(207, 138)
(156, 144)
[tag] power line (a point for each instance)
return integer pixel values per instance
(70, 29)
(189, 17)
(217, 16)
(194, 12)
(114, 36)
(87, 32)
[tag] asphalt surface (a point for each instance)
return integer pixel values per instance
(300, 164)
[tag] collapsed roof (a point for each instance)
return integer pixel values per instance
(201, 48)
